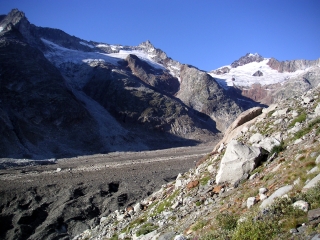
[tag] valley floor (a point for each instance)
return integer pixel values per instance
(76, 192)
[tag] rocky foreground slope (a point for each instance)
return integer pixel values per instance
(260, 182)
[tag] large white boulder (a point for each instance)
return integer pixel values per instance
(238, 160)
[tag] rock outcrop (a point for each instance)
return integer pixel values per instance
(258, 74)
(242, 121)
(248, 58)
(291, 66)
(155, 77)
(201, 92)
(237, 161)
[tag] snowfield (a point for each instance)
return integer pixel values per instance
(243, 75)
(58, 55)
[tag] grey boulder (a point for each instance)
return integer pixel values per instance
(238, 160)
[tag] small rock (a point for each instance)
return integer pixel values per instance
(58, 170)
(251, 201)
(167, 236)
(312, 183)
(149, 236)
(316, 237)
(304, 206)
(211, 169)
(263, 190)
(217, 189)
(318, 160)
(122, 236)
(180, 237)
(293, 230)
(263, 197)
(314, 214)
(295, 114)
(297, 141)
(256, 138)
(129, 209)
(279, 193)
(313, 170)
(137, 208)
(192, 184)
(167, 214)
(220, 148)
(179, 183)
(313, 154)
(278, 121)
(307, 100)
(175, 205)
(317, 110)
(253, 176)
(280, 112)
(302, 229)
(296, 182)
(120, 217)
(102, 219)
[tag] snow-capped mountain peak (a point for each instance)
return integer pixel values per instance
(249, 73)
(248, 58)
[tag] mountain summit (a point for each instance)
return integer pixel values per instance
(248, 58)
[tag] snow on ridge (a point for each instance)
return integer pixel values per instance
(102, 45)
(140, 54)
(242, 75)
(59, 54)
(86, 44)
(1, 28)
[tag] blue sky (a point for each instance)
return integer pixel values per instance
(205, 33)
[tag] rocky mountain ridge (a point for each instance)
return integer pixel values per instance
(126, 91)
(267, 80)
(273, 194)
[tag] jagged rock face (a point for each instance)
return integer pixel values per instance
(131, 101)
(256, 92)
(289, 89)
(221, 71)
(291, 66)
(40, 116)
(257, 73)
(234, 129)
(200, 91)
(248, 58)
(158, 78)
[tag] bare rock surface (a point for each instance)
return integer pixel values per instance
(238, 160)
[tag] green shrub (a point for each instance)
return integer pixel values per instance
(301, 118)
(312, 197)
(306, 130)
(227, 221)
(199, 225)
(277, 149)
(114, 237)
(204, 180)
(146, 228)
(270, 113)
(251, 229)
